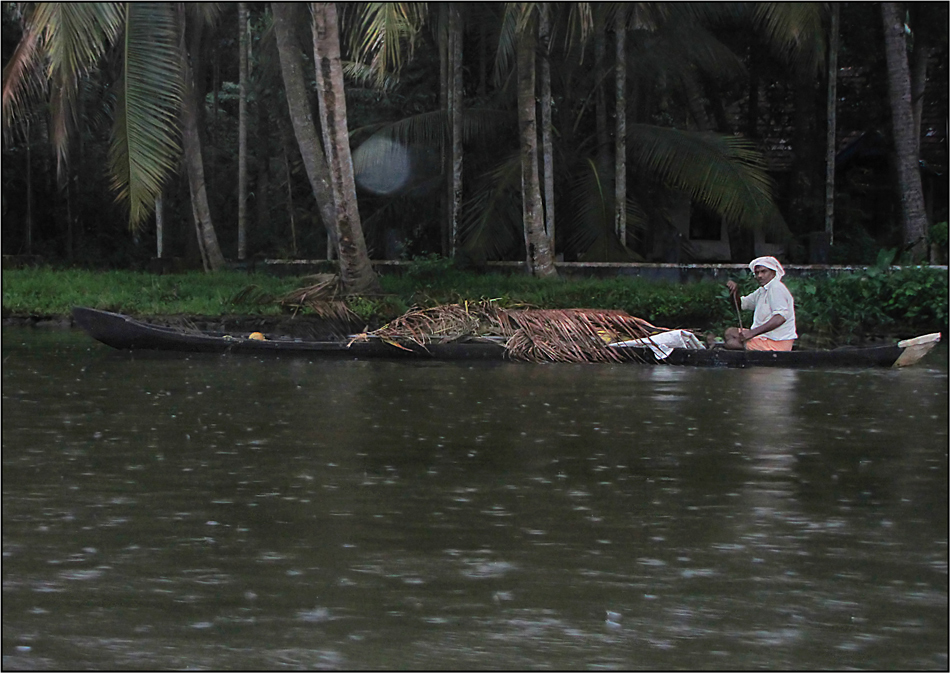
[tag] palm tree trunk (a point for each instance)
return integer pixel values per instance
(830, 145)
(620, 141)
(314, 160)
(454, 74)
(356, 271)
(159, 227)
(242, 132)
(539, 260)
(191, 143)
(921, 56)
(547, 126)
(28, 233)
(908, 169)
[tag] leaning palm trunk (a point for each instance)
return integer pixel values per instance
(908, 170)
(539, 259)
(211, 254)
(308, 142)
(356, 271)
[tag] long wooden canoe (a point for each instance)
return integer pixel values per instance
(126, 333)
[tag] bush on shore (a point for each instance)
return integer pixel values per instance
(845, 308)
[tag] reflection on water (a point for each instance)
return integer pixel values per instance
(221, 512)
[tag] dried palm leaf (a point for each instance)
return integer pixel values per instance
(535, 335)
(573, 335)
(444, 323)
(323, 296)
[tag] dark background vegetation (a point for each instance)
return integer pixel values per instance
(76, 221)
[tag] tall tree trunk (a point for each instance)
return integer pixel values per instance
(454, 74)
(620, 139)
(191, 144)
(159, 227)
(539, 259)
(215, 108)
(311, 151)
(831, 143)
(356, 271)
(918, 65)
(803, 203)
(908, 169)
(547, 126)
(28, 232)
(68, 189)
(242, 131)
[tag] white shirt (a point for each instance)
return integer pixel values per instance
(773, 299)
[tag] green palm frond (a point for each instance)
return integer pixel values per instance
(384, 30)
(205, 13)
(430, 128)
(24, 82)
(795, 30)
(145, 146)
(364, 74)
(511, 21)
(580, 23)
(75, 37)
(589, 217)
(725, 173)
(491, 221)
(77, 33)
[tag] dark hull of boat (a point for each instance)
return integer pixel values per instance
(126, 333)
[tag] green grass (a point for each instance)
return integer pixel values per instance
(904, 302)
(44, 291)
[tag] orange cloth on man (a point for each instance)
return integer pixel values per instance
(761, 343)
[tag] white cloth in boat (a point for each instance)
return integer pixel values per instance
(662, 344)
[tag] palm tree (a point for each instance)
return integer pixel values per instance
(539, 257)
(286, 20)
(913, 212)
(152, 100)
(242, 130)
(211, 254)
(830, 144)
(655, 159)
(454, 109)
(356, 271)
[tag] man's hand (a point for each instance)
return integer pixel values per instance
(733, 288)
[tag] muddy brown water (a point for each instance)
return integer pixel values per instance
(222, 512)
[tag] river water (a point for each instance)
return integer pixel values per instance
(172, 511)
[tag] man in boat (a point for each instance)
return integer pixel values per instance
(773, 321)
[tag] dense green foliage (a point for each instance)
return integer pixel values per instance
(876, 301)
(712, 92)
(848, 307)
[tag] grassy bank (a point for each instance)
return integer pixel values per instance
(904, 302)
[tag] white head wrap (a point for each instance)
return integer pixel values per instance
(768, 263)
